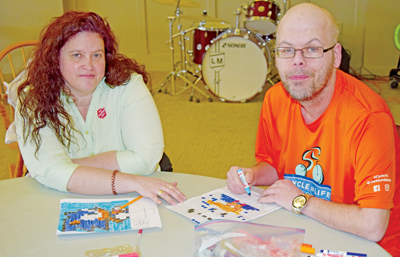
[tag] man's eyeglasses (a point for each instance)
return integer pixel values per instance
(308, 52)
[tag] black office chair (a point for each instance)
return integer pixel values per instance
(165, 163)
(394, 75)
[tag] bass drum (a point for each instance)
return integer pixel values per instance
(235, 66)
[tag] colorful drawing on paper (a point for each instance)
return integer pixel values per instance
(94, 217)
(83, 216)
(222, 204)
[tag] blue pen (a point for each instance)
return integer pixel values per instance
(241, 176)
(339, 253)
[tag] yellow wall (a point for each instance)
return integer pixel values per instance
(382, 18)
(367, 26)
(23, 19)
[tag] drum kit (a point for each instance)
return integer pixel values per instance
(234, 63)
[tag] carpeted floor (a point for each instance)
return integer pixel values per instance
(207, 138)
(390, 95)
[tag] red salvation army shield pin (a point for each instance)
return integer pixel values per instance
(101, 113)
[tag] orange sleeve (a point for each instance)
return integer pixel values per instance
(375, 162)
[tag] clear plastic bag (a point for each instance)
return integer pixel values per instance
(220, 238)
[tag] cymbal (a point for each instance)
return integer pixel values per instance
(203, 17)
(183, 3)
(211, 25)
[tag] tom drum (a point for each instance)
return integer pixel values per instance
(262, 17)
(203, 34)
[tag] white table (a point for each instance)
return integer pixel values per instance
(29, 215)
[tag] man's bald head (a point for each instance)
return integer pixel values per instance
(309, 14)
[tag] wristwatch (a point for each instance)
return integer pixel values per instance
(299, 202)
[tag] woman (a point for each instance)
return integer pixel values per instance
(85, 114)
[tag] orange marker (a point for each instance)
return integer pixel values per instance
(131, 202)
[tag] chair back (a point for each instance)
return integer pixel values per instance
(13, 60)
(17, 56)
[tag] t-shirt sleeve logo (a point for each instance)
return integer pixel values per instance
(102, 113)
(379, 180)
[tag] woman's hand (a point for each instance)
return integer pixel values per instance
(95, 181)
(155, 189)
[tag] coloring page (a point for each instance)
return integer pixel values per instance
(222, 204)
(102, 215)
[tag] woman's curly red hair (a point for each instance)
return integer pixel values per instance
(39, 95)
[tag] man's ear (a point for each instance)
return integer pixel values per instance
(337, 55)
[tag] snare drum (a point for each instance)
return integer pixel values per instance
(262, 17)
(203, 34)
(235, 66)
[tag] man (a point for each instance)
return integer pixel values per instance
(326, 144)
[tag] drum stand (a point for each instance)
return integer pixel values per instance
(237, 31)
(183, 72)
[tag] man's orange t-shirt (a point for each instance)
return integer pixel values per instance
(348, 155)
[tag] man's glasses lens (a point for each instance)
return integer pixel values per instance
(308, 52)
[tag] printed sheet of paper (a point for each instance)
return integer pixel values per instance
(222, 204)
(79, 216)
